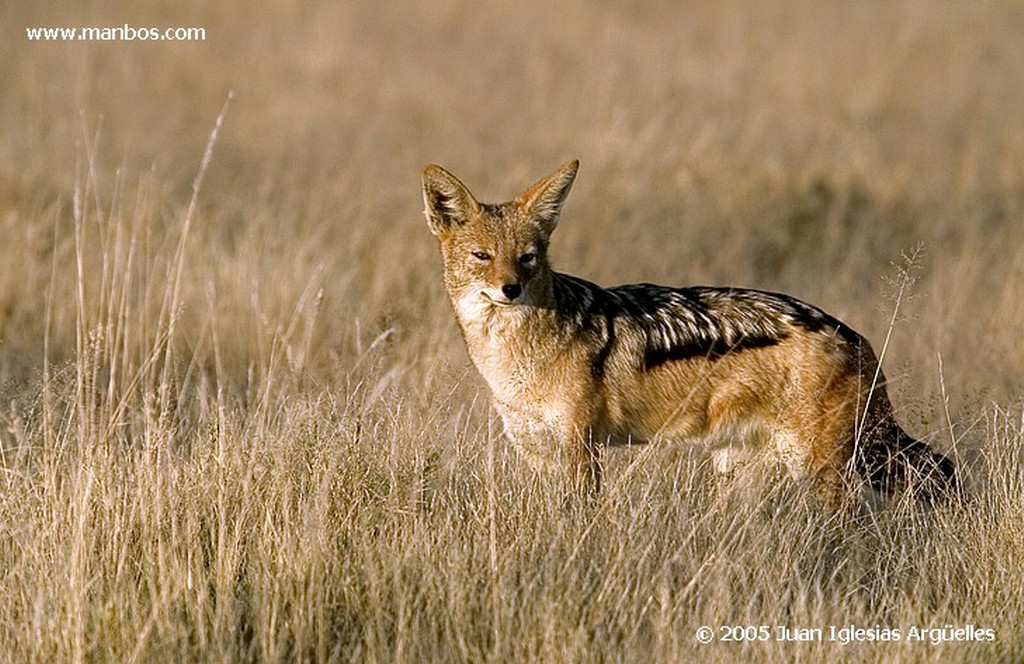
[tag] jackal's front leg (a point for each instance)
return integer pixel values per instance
(581, 443)
(584, 463)
(563, 442)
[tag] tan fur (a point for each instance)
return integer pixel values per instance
(572, 366)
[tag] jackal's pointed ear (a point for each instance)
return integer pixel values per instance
(447, 202)
(544, 200)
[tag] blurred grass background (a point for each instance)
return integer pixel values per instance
(796, 146)
(799, 147)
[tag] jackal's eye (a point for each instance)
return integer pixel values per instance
(529, 258)
(481, 255)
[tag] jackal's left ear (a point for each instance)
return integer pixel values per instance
(447, 202)
(544, 200)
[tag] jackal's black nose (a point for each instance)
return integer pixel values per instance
(512, 291)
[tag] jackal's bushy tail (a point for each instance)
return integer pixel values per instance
(893, 461)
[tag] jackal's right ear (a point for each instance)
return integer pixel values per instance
(447, 202)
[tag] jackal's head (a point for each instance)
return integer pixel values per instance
(495, 256)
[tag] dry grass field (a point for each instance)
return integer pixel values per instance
(237, 422)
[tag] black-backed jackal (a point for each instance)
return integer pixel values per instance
(573, 366)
